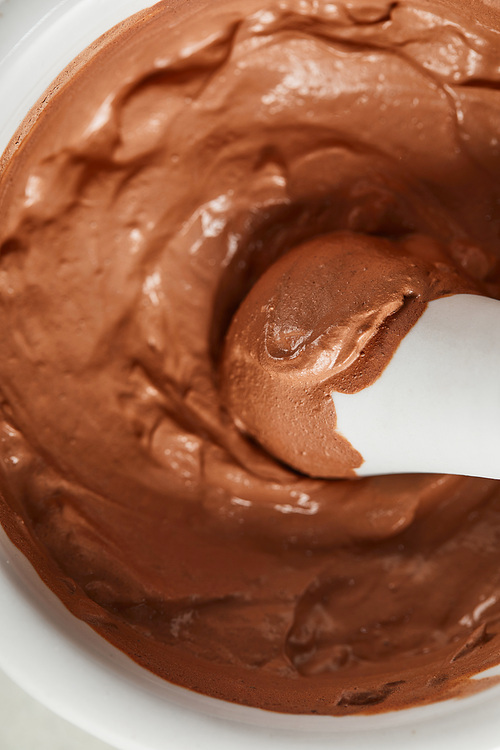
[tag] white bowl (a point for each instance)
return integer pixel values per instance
(61, 661)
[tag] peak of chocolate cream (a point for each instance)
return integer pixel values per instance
(325, 317)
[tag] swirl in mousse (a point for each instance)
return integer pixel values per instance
(324, 318)
(211, 183)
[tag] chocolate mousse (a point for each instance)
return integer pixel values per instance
(325, 318)
(214, 184)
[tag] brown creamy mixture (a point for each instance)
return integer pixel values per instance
(161, 178)
(325, 317)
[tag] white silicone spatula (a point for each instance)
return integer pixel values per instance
(436, 406)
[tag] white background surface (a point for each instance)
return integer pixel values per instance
(27, 725)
